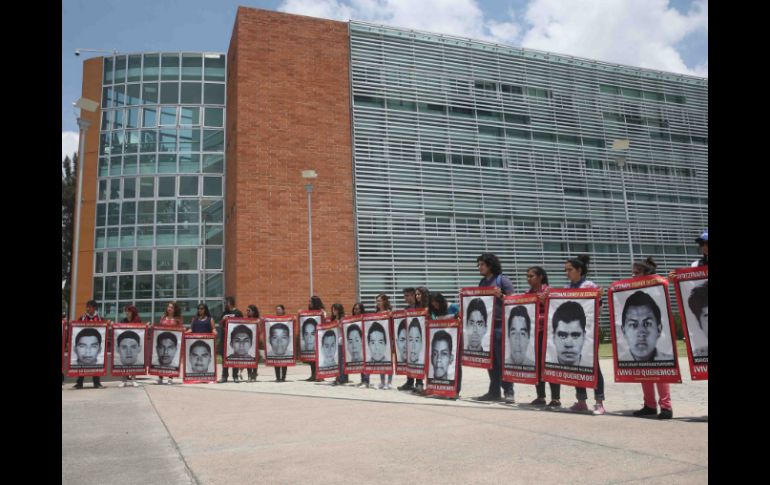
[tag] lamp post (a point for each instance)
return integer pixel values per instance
(621, 147)
(309, 175)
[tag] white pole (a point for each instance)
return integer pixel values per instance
(83, 125)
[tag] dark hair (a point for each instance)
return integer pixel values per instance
(401, 326)
(568, 312)
(177, 309)
(312, 321)
(200, 343)
(360, 306)
(407, 290)
(340, 311)
(242, 329)
(281, 306)
(131, 310)
(443, 306)
(329, 333)
(91, 303)
(640, 298)
(699, 298)
(416, 324)
(492, 261)
(540, 272)
(254, 310)
(519, 311)
(376, 327)
(354, 328)
(646, 267)
(385, 300)
(580, 263)
(423, 303)
(205, 310)
(88, 332)
(166, 336)
(477, 304)
(230, 300)
(442, 335)
(128, 334)
(316, 303)
(278, 326)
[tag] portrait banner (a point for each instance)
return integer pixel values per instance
(443, 347)
(326, 350)
(643, 331)
(242, 335)
(167, 359)
(278, 334)
(88, 349)
(571, 338)
(308, 321)
(520, 317)
(377, 357)
(692, 294)
(399, 332)
(200, 358)
(129, 342)
(353, 345)
(415, 343)
(477, 312)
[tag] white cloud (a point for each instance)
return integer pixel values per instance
(69, 143)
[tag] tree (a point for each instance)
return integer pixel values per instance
(69, 181)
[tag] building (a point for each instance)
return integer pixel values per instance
(429, 150)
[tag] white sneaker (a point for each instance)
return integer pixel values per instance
(122, 384)
(134, 383)
(170, 381)
(381, 386)
(388, 387)
(160, 380)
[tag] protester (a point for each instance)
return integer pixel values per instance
(358, 309)
(382, 303)
(537, 279)
(253, 312)
(280, 371)
(91, 315)
(132, 316)
(229, 311)
(338, 313)
(315, 304)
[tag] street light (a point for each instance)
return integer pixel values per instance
(621, 148)
(309, 175)
(88, 105)
(78, 51)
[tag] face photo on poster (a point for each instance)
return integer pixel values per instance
(166, 349)
(414, 341)
(129, 347)
(642, 327)
(307, 327)
(478, 322)
(200, 356)
(327, 347)
(401, 340)
(695, 296)
(570, 338)
(88, 347)
(442, 354)
(241, 341)
(279, 339)
(354, 343)
(377, 342)
(520, 330)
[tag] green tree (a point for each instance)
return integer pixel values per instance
(69, 183)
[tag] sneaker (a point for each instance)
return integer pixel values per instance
(170, 381)
(645, 411)
(488, 397)
(236, 379)
(555, 403)
(405, 387)
(78, 386)
(579, 407)
(538, 402)
(418, 389)
(666, 414)
(599, 409)
(222, 381)
(122, 384)
(98, 386)
(388, 387)
(509, 398)
(380, 386)
(160, 380)
(134, 383)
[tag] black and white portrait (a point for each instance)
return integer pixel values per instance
(477, 322)
(88, 347)
(128, 351)
(695, 303)
(199, 357)
(377, 342)
(166, 352)
(443, 361)
(642, 328)
(280, 338)
(354, 343)
(570, 332)
(242, 341)
(520, 333)
(415, 348)
(327, 348)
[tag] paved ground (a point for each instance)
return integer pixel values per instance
(268, 432)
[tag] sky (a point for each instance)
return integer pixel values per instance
(666, 35)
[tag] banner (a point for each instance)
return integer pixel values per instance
(166, 358)
(129, 349)
(477, 313)
(278, 334)
(88, 349)
(444, 346)
(643, 332)
(241, 336)
(398, 318)
(571, 338)
(377, 357)
(692, 294)
(200, 359)
(415, 346)
(353, 345)
(326, 350)
(520, 317)
(308, 321)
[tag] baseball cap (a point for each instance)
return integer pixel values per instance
(703, 237)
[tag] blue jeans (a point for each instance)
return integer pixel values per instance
(496, 372)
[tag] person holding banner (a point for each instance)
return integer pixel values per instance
(253, 312)
(358, 309)
(699, 305)
(414, 299)
(537, 279)
(644, 268)
(382, 304)
(171, 316)
(91, 315)
(280, 371)
(132, 345)
(338, 313)
(440, 310)
(202, 321)
(492, 276)
(229, 311)
(308, 333)
(576, 270)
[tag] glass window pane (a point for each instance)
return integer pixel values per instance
(164, 260)
(119, 95)
(149, 118)
(132, 118)
(189, 162)
(189, 116)
(99, 288)
(214, 235)
(103, 190)
(213, 258)
(129, 168)
(168, 116)
(99, 263)
(128, 213)
(166, 211)
(144, 289)
(103, 167)
(106, 97)
(132, 141)
(133, 94)
(187, 210)
(120, 69)
(147, 187)
(110, 287)
(215, 286)
(149, 142)
(151, 64)
(213, 93)
(106, 120)
(101, 214)
(115, 166)
(215, 67)
(117, 142)
(212, 211)
(100, 240)
(146, 212)
(190, 140)
(113, 237)
(115, 189)
(187, 259)
(187, 285)
(164, 286)
(144, 260)
(113, 214)
(127, 237)
(150, 93)
(166, 163)
(169, 93)
(145, 236)
(108, 66)
(164, 236)
(192, 66)
(213, 140)
(117, 119)
(191, 93)
(212, 186)
(215, 117)
(134, 68)
(169, 69)
(213, 163)
(112, 262)
(167, 142)
(188, 186)
(187, 235)
(126, 287)
(166, 187)
(147, 163)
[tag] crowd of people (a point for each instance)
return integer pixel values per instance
(575, 269)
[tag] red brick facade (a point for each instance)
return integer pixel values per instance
(288, 110)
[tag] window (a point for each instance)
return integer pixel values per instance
(188, 186)
(214, 117)
(214, 65)
(213, 93)
(212, 186)
(192, 66)
(368, 101)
